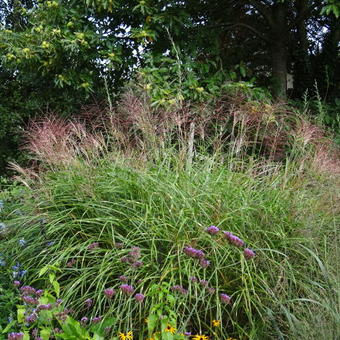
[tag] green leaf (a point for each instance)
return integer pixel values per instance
(45, 333)
(152, 322)
(21, 314)
(56, 287)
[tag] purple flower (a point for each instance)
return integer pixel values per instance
(45, 307)
(193, 279)
(204, 263)
(204, 283)
(84, 320)
(59, 301)
(93, 245)
(127, 289)
(15, 336)
(135, 253)
(248, 253)
(212, 230)
(236, 241)
(26, 290)
(96, 319)
(125, 259)
(192, 252)
(137, 264)
(39, 292)
(123, 278)
(109, 292)
(31, 318)
(30, 300)
(17, 283)
(179, 289)
(187, 333)
(88, 303)
(211, 290)
(225, 298)
(139, 297)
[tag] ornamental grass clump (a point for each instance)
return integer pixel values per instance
(156, 213)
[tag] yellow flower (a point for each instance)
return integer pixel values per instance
(200, 337)
(127, 336)
(170, 329)
(216, 323)
(122, 336)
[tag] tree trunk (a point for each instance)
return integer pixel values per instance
(279, 51)
(302, 69)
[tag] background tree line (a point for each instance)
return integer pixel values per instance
(59, 55)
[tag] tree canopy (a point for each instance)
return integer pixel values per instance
(61, 54)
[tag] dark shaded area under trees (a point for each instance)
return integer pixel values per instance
(55, 55)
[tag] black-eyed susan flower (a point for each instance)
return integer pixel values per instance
(170, 329)
(127, 336)
(216, 323)
(200, 337)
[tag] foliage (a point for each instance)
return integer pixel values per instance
(137, 218)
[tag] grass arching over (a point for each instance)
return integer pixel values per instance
(161, 207)
(120, 208)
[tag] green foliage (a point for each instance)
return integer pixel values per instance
(161, 208)
(332, 7)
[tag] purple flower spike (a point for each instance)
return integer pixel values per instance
(39, 292)
(139, 297)
(187, 333)
(194, 253)
(204, 263)
(204, 283)
(193, 279)
(26, 290)
(17, 283)
(15, 336)
(179, 289)
(84, 320)
(30, 300)
(45, 307)
(212, 230)
(135, 253)
(109, 292)
(225, 298)
(31, 318)
(127, 289)
(96, 319)
(137, 264)
(88, 303)
(248, 253)
(236, 241)
(123, 278)
(93, 245)
(211, 290)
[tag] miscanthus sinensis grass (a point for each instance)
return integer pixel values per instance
(239, 245)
